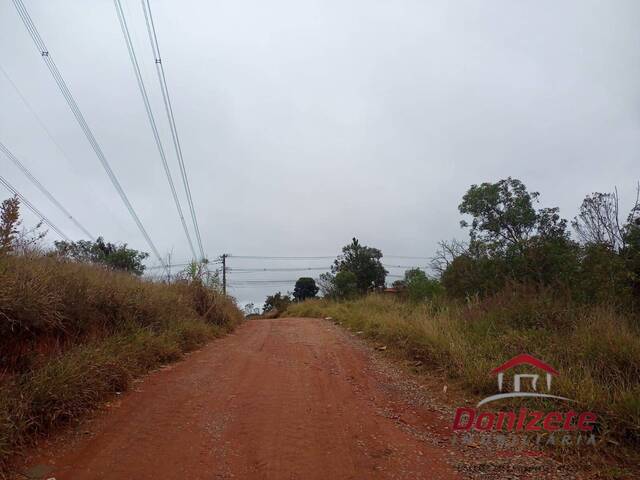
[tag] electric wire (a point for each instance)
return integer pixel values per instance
(152, 122)
(41, 187)
(399, 266)
(66, 93)
(258, 270)
(30, 206)
(265, 257)
(153, 39)
(34, 113)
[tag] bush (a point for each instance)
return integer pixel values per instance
(596, 348)
(277, 303)
(71, 334)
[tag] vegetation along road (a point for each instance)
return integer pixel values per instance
(281, 399)
(286, 398)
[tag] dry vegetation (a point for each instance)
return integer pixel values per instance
(72, 334)
(596, 349)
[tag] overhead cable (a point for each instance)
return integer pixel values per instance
(66, 93)
(151, 118)
(30, 206)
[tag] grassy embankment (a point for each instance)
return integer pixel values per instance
(73, 334)
(596, 350)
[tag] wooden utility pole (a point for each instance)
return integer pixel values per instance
(224, 273)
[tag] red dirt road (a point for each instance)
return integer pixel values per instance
(277, 399)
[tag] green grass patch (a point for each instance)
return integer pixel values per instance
(596, 349)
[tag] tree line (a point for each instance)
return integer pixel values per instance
(593, 258)
(510, 240)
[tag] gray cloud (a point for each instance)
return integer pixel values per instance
(306, 123)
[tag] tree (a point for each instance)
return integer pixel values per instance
(342, 285)
(446, 253)
(116, 257)
(345, 285)
(198, 271)
(419, 286)
(326, 284)
(598, 220)
(469, 275)
(9, 222)
(603, 276)
(509, 240)
(13, 239)
(631, 246)
(250, 309)
(305, 288)
(364, 262)
(277, 301)
(503, 213)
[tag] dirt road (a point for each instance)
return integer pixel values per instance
(277, 399)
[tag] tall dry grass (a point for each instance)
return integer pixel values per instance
(72, 334)
(596, 349)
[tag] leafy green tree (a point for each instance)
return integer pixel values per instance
(345, 285)
(419, 286)
(305, 288)
(509, 240)
(513, 243)
(468, 275)
(326, 284)
(363, 262)
(631, 249)
(342, 285)
(117, 257)
(277, 301)
(502, 213)
(603, 276)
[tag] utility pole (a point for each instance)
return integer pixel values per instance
(169, 267)
(224, 273)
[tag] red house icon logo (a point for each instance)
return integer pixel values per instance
(523, 359)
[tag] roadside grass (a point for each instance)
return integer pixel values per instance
(596, 349)
(71, 335)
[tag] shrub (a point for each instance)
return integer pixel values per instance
(596, 348)
(71, 334)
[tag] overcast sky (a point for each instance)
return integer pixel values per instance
(305, 123)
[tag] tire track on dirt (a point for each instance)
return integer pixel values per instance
(278, 399)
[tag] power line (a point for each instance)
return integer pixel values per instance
(170, 265)
(264, 257)
(34, 113)
(294, 269)
(253, 286)
(265, 281)
(399, 266)
(150, 116)
(257, 270)
(184, 264)
(267, 257)
(153, 39)
(41, 187)
(38, 213)
(66, 93)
